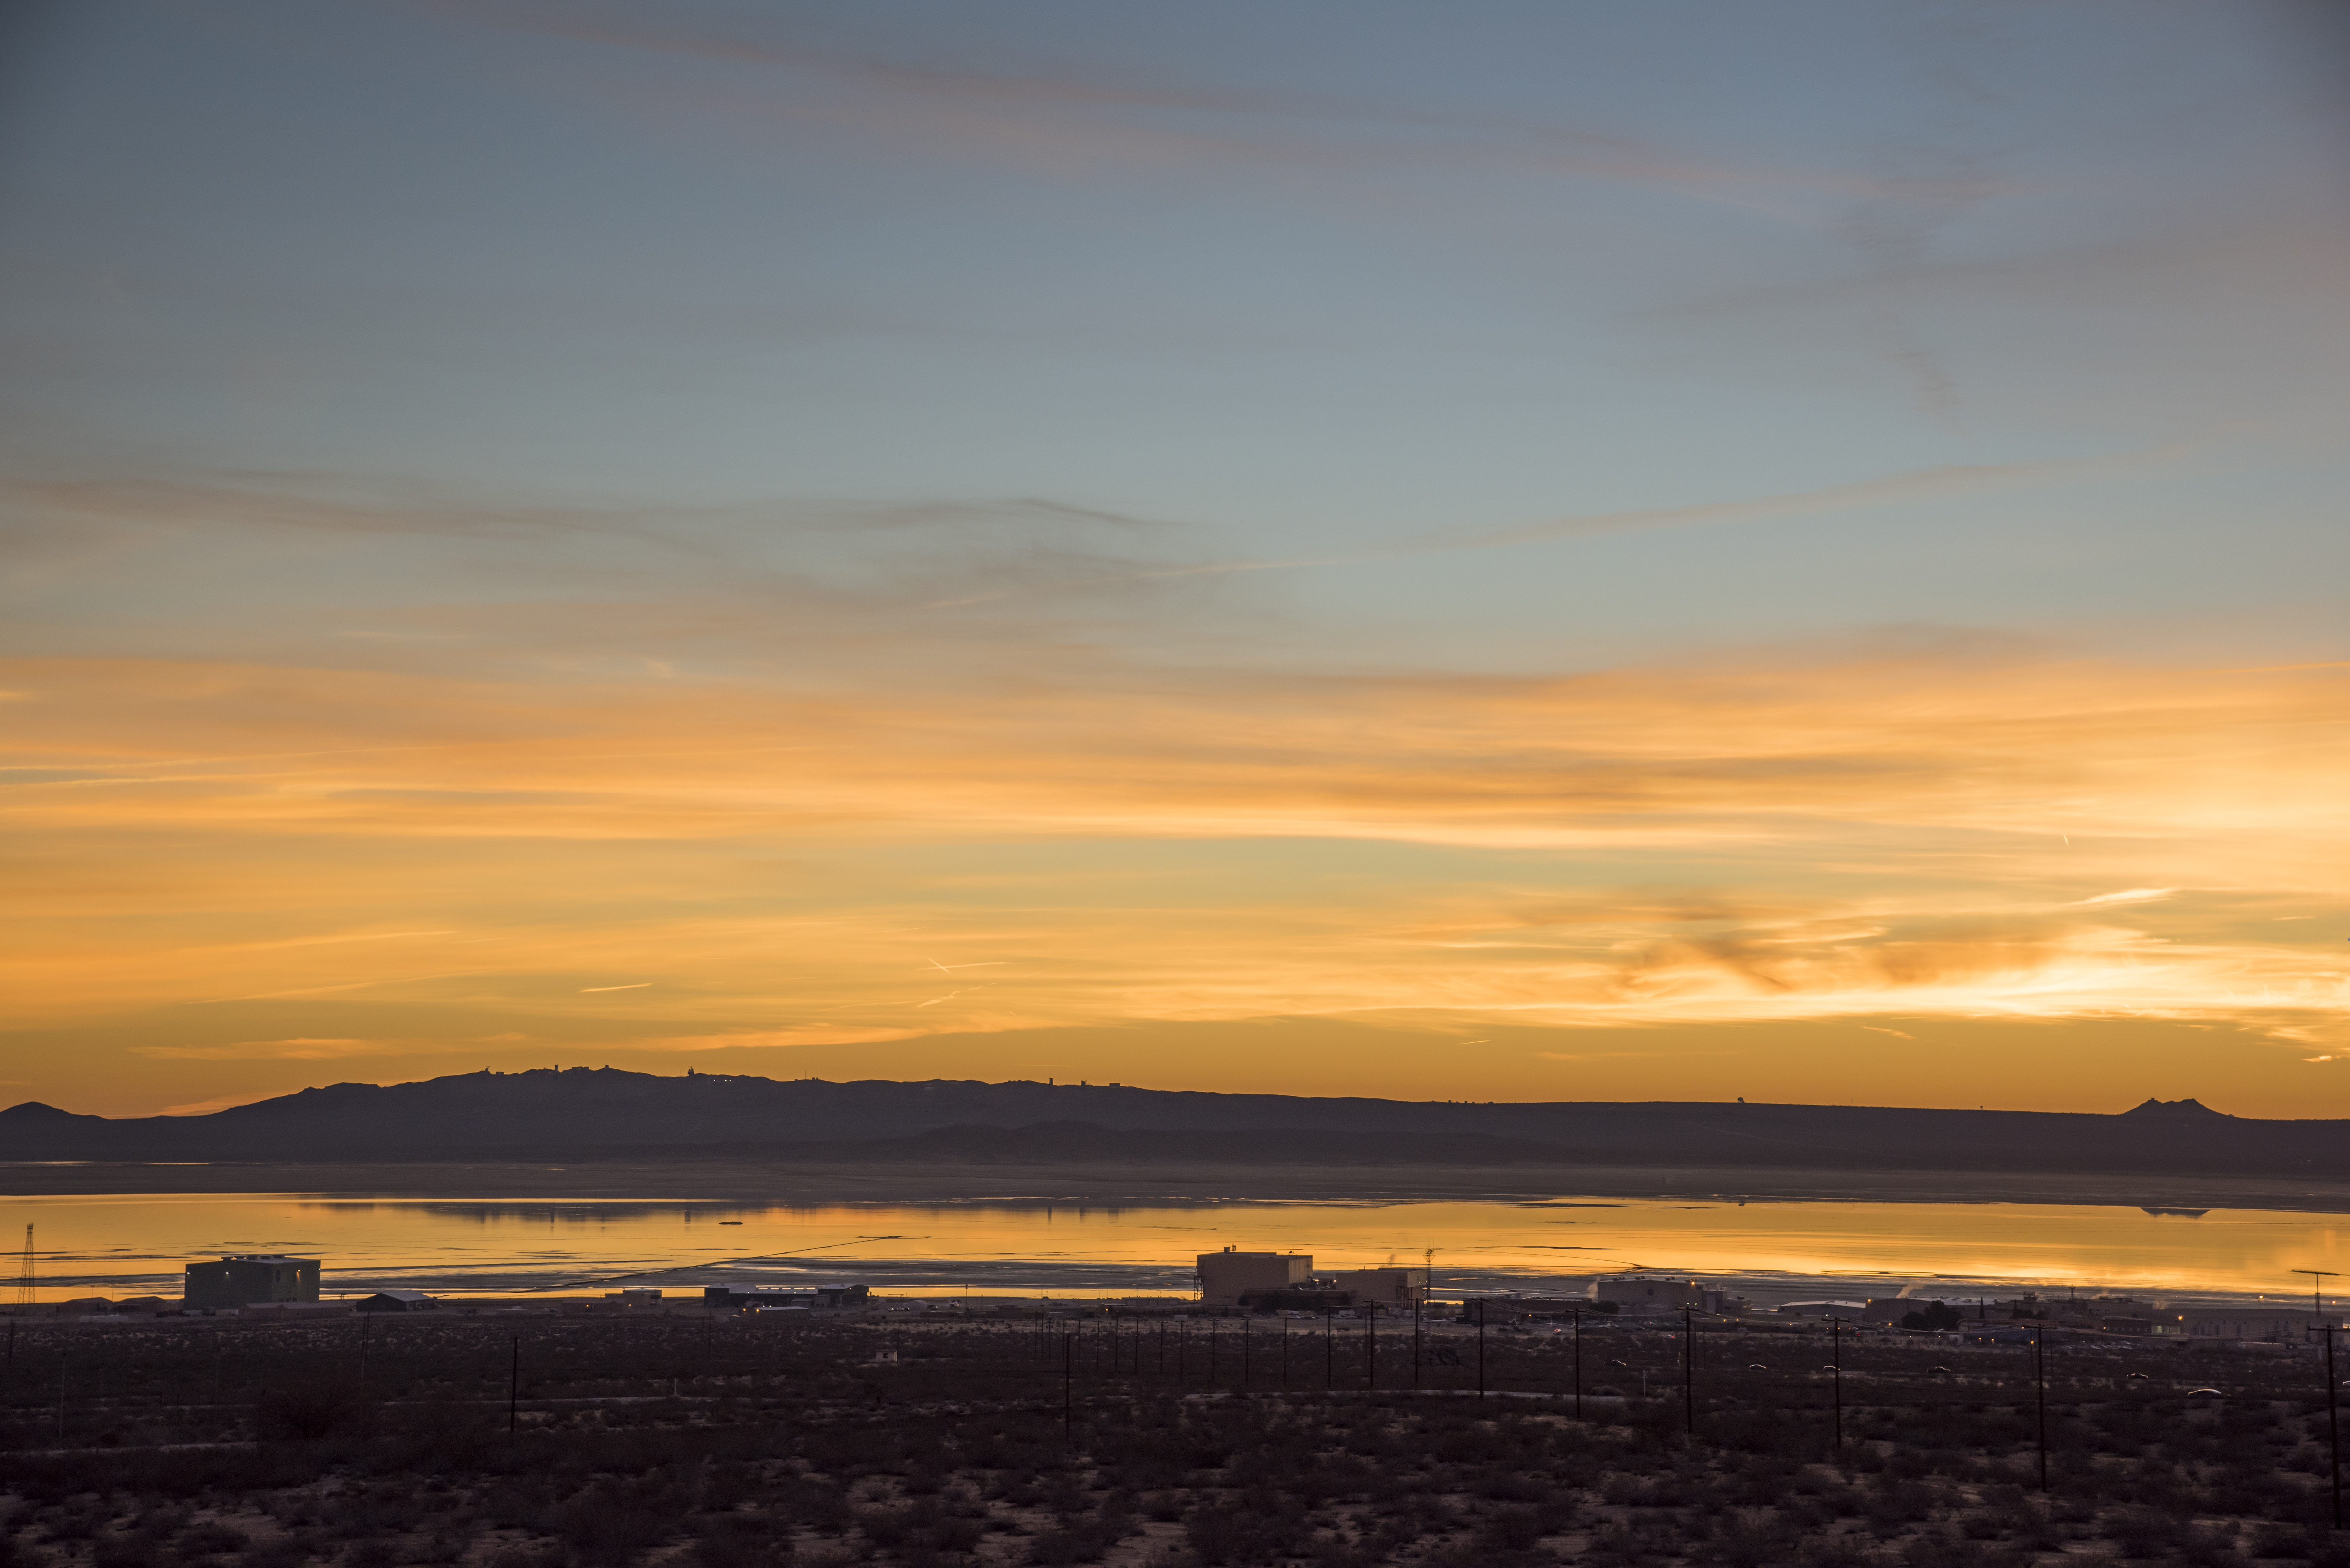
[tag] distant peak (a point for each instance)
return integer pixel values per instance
(36, 1111)
(2173, 1108)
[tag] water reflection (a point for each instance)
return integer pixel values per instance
(128, 1245)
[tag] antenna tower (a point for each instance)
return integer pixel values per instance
(26, 1276)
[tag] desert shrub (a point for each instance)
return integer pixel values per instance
(2208, 1546)
(312, 1410)
(819, 1505)
(1243, 1535)
(2274, 1540)
(1509, 1529)
(1835, 1552)
(1750, 1539)
(205, 1540)
(733, 1541)
(1614, 1546)
(2143, 1533)
(542, 1556)
(138, 1550)
(602, 1527)
(1942, 1551)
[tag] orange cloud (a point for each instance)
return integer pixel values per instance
(1844, 838)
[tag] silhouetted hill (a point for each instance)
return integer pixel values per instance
(580, 1113)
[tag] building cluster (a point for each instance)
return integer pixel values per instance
(2017, 1320)
(1636, 1296)
(273, 1284)
(1286, 1281)
(785, 1298)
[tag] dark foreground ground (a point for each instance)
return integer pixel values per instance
(519, 1440)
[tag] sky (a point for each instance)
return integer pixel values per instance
(1500, 550)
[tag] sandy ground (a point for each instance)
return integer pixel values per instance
(765, 1181)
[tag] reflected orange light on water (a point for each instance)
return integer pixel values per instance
(125, 1245)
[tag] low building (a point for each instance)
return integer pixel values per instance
(248, 1278)
(1383, 1288)
(1640, 1295)
(293, 1310)
(1226, 1276)
(2250, 1326)
(1303, 1298)
(753, 1298)
(396, 1301)
(1994, 1331)
(785, 1298)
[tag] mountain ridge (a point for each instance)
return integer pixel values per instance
(607, 1113)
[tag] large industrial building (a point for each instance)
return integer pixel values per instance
(1285, 1281)
(245, 1279)
(1226, 1276)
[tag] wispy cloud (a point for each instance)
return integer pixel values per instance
(1085, 122)
(298, 1050)
(1877, 835)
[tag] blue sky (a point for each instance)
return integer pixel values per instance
(899, 355)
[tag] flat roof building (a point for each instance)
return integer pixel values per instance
(398, 1301)
(1384, 1287)
(248, 1278)
(1226, 1276)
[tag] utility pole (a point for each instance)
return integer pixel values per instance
(27, 1277)
(1245, 1326)
(1418, 1305)
(2040, 1393)
(513, 1387)
(1068, 1388)
(1284, 1349)
(1835, 1373)
(2317, 1278)
(1371, 1350)
(1578, 1366)
(1212, 1326)
(1329, 1346)
(2334, 1426)
(1689, 1372)
(1480, 1347)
